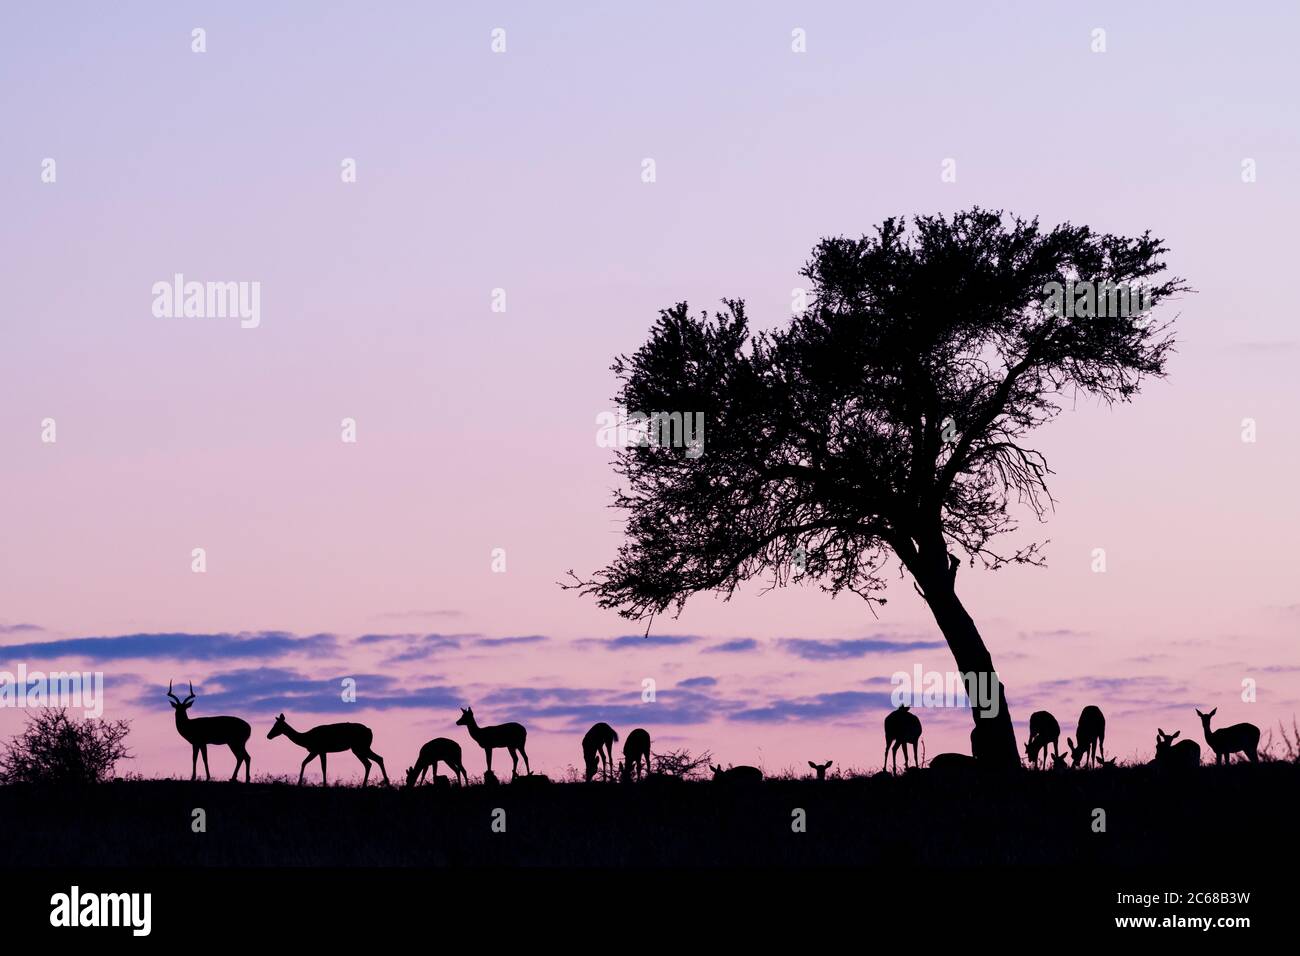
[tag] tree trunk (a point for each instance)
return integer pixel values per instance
(993, 740)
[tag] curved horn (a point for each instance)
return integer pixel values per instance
(191, 697)
(170, 694)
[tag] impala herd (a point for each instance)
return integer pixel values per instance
(902, 728)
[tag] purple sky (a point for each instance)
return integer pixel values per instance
(476, 429)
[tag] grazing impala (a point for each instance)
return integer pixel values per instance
(635, 749)
(1043, 730)
(437, 749)
(902, 727)
(331, 739)
(1227, 741)
(1185, 753)
(598, 749)
(1092, 735)
(223, 731)
(511, 736)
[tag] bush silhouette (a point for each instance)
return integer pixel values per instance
(55, 748)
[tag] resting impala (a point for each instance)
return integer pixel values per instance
(1227, 741)
(511, 736)
(1185, 753)
(331, 739)
(223, 731)
(821, 768)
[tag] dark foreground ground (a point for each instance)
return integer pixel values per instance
(1230, 815)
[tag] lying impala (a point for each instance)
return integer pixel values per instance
(200, 731)
(331, 739)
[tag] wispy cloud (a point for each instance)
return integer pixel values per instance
(819, 707)
(270, 690)
(698, 682)
(509, 641)
(179, 646)
(740, 645)
(834, 650)
(19, 628)
(639, 641)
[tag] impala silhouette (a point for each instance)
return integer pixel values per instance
(1043, 730)
(331, 739)
(1226, 741)
(510, 736)
(821, 768)
(741, 774)
(1092, 735)
(201, 731)
(902, 727)
(598, 749)
(635, 749)
(438, 749)
(1185, 753)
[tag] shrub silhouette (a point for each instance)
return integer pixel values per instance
(55, 748)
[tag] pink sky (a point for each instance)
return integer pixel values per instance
(476, 429)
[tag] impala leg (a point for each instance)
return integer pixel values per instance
(323, 781)
(365, 762)
(206, 771)
(488, 752)
(382, 769)
(514, 762)
(194, 764)
(527, 765)
(308, 759)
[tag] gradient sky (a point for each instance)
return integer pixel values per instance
(476, 429)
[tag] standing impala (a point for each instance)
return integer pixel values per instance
(1227, 741)
(331, 739)
(223, 731)
(511, 736)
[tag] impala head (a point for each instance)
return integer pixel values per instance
(466, 717)
(1076, 753)
(717, 771)
(1205, 718)
(1164, 740)
(176, 702)
(1058, 761)
(821, 768)
(279, 728)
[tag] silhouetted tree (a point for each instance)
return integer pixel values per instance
(888, 418)
(54, 748)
